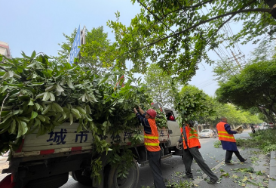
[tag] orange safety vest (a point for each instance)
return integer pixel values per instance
(151, 141)
(223, 134)
(192, 138)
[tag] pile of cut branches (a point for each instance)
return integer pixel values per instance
(38, 93)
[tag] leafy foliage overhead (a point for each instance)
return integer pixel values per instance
(177, 34)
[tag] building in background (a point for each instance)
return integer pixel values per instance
(4, 49)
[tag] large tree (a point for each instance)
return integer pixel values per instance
(97, 53)
(177, 34)
(63, 53)
(159, 85)
(255, 86)
(193, 103)
(234, 115)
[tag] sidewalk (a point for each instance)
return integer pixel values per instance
(254, 173)
(272, 170)
(259, 171)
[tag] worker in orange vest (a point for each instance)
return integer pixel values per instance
(228, 141)
(151, 141)
(191, 144)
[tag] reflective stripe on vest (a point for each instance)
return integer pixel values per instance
(223, 134)
(192, 138)
(151, 141)
(151, 144)
(151, 137)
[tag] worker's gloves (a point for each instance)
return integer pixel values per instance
(179, 145)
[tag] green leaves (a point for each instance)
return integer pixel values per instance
(22, 128)
(59, 88)
(161, 120)
(191, 104)
(46, 96)
(70, 84)
(253, 87)
(177, 36)
(34, 115)
(48, 93)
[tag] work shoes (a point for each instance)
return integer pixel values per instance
(212, 181)
(243, 160)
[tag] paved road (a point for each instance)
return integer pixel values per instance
(173, 168)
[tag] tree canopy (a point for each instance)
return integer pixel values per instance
(236, 116)
(97, 53)
(193, 104)
(177, 34)
(159, 85)
(255, 86)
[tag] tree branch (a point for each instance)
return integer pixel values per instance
(221, 26)
(160, 20)
(3, 68)
(189, 7)
(206, 21)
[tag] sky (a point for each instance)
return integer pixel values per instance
(39, 25)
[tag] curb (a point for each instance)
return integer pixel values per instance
(272, 170)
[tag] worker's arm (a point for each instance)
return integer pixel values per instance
(141, 111)
(144, 122)
(228, 129)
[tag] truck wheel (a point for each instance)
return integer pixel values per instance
(85, 180)
(52, 181)
(130, 181)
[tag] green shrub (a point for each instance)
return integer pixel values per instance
(262, 139)
(269, 148)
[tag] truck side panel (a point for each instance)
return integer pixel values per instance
(65, 138)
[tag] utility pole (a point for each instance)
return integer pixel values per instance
(236, 57)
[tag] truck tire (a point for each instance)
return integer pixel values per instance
(52, 181)
(77, 175)
(130, 181)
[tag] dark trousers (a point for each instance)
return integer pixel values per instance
(154, 163)
(193, 153)
(229, 154)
